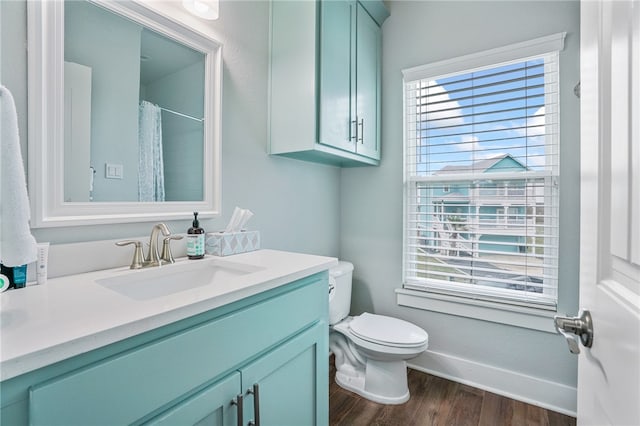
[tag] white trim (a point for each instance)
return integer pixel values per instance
(46, 134)
(491, 57)
(448, 296)
(529, 389)
(483, 294)
(456, 177)
(501, 313)
(634, 111)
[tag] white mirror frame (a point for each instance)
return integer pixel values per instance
(45, 27)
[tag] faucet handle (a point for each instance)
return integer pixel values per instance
(138, 258)
(166, 256)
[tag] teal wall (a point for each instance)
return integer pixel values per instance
(182, 138)
(295, 203)
(371, 200)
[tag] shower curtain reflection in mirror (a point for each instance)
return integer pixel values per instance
(150, 161)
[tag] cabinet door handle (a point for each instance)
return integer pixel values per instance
(353, 130)
(256, 404)
(361, 131)
(237, 401)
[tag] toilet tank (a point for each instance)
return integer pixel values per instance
(340, 291)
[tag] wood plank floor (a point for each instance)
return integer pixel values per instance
(437, 401)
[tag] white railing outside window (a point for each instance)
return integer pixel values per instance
(481, 172)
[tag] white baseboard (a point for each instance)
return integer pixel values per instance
(532, 390)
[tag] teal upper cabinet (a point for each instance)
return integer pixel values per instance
(336, 89)
(325, 81)
(367, 83)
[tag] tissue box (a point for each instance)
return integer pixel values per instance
(228, 243)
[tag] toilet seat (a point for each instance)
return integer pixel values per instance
(387, 331)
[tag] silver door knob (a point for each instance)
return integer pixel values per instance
(573, 328)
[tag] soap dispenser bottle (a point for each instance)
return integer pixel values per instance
(195, 239)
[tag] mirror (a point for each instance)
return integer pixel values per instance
(124, 115)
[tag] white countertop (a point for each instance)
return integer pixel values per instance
(67, 316)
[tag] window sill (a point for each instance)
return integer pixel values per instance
(518, 316)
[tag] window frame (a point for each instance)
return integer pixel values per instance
(442, 299)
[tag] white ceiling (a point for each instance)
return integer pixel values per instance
(161, 56)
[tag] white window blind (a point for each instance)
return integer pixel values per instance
(481, 180)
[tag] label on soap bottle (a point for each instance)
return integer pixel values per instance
(195, 244)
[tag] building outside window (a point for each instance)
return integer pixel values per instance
(481, 175)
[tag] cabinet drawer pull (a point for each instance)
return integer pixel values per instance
(237, 401)
(353, 130)
(256, 404)
(361, 131)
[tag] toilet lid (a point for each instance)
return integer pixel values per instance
(387, 330)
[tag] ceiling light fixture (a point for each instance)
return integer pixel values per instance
(207, 9)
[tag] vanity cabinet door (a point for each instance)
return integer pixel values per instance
(212, 407)
(292, 382)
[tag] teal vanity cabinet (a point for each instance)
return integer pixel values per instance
(264, 357)
(325, 81)
(286, 392)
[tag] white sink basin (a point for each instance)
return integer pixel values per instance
(147, 284)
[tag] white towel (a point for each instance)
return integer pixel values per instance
(17, 245)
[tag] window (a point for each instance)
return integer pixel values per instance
(481, 175)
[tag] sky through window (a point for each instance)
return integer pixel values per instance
(484, 114)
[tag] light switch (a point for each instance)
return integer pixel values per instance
(113, 171)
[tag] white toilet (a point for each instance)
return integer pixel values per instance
(370, 350)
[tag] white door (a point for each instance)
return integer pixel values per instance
(77, 136)
(609, 371)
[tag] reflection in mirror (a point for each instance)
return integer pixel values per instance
(124, 114)
(134, 108)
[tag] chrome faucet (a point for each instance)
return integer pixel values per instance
(153, 257)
